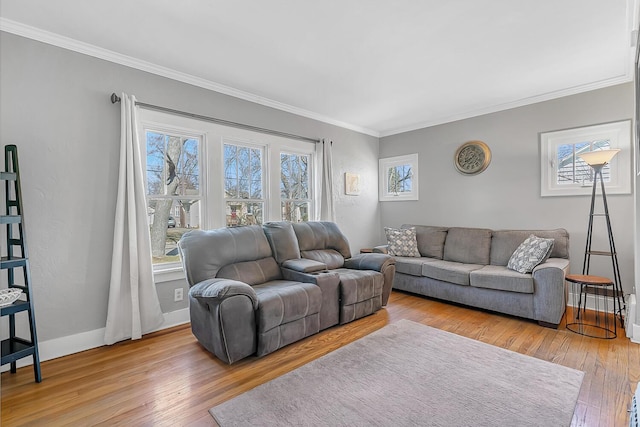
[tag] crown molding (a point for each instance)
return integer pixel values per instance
(509, 105)
(58, 40)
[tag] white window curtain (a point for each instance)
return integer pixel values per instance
(325, 210)
(134, 308)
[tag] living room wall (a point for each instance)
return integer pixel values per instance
(55, 106)
(507, 194)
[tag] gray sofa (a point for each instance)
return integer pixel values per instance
(469, 266)
(255, 289)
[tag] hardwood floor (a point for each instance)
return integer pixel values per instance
(167, 379)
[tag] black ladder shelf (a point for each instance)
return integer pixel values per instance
(15, 348)
(616, 293)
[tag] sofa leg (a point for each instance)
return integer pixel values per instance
(548, 325)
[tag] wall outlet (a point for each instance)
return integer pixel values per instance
(177, 294)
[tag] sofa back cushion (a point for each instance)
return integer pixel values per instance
(205, 253)
(430, 240)
(283, 241)
(321, 235)
(468, 245)
(252, 272)
(505, 242)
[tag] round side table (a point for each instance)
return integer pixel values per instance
(598, 321)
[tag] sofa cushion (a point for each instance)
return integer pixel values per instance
(314, 235)
(468, 245)
(204, 253)
(411, 265)
(284, 301)
(501, 278)
(430, 240)
(283, 240)
(331, 258)
(533, 251)
(402, 242)
(252, 272)
(505, 242)
(448, 271)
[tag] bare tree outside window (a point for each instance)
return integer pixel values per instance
(295, 187)
(173, 191)
(243, 184)
(399, 179)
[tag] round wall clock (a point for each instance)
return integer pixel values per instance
(472, 157)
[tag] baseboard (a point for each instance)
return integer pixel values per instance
(64, 346)
(590, 303)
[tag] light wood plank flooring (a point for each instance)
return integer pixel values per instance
(167, 379)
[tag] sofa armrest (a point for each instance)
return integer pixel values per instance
(220, 289)
(304, 265)
(385, 264)
(549, 295)
(382, 249)
(369, 261)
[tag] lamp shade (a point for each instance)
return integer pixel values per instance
(600, 157)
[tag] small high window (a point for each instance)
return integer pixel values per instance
(398, 178)
(564, 173)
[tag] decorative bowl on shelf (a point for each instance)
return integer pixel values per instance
(7, 296)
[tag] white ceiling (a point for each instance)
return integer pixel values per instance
(380, 67)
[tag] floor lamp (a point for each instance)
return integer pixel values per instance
(597, 160)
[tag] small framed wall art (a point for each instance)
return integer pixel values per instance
(351, 184)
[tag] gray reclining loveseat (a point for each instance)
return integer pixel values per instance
(255, 289)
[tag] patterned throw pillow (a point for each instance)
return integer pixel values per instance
(402, 242)
(533, 251)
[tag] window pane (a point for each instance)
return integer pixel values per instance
(572, 169)
(399, 179)
(173, 171)
(295, 211)
(169, 219)
(243, 172)
(244, 213)
(294, 176)
(188, 168)
(155, 162)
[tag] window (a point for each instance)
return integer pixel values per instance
(243, 184)
(173, 189)
(295, 186)
(204, 175)
(564, 173)
(398, 178)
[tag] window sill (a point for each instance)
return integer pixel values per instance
(164, 274)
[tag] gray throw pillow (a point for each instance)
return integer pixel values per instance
(402, 242)
(533, 251)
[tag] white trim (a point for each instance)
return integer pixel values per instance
(54, 39)
(635, 335)
(619, 136)
(384, 165)
(626, 78)
(64, 346)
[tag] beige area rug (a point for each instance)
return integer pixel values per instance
(408, 374)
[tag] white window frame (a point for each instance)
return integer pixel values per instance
(383, 178)
(264, 166)
(168, 271)
(619, 136)
(213, 136)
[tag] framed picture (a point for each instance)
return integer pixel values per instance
(351, 184)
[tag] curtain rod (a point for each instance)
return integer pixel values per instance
(115, 99)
